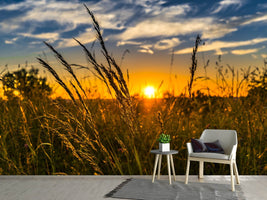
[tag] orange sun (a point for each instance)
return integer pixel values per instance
(149, 92)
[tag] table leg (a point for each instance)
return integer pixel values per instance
(169, 169)
(155, 167)
(173, 170)
(160, 158)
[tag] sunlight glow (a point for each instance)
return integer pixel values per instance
(149, 92)
(16, 93)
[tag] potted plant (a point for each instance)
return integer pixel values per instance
(164, 142)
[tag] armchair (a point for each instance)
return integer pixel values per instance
(228, 141)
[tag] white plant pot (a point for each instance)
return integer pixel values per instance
(164, 147)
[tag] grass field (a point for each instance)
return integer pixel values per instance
(55, 136)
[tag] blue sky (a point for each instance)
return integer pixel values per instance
(150, 29)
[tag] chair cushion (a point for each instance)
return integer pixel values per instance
(214, 147)
(210, 155)
(198, 145)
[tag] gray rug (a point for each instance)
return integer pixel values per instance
(144, 189)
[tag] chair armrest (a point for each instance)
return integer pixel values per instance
(189, 148)
(233, 152)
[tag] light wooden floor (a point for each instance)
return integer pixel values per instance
(95, 187)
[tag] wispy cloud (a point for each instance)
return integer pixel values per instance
(218, 45)
(11, 41)
(23, 5)
(169, 12)
(244, 51)
(70, 13)
(49, 36)
(222, 5)
(86, 37)
(167, 43)
(146, 49)
(255, 19)
(65, 15)
(262, 5)
(157, 27)
(156, 8)
(37, 13)
(217, 30)
(220, 52)
(6, 27)
(121, 43)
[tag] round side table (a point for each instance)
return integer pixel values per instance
(158, 163)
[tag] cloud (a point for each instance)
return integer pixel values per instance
(149, 51)
(209, 27)
(168, 12)
(262, 5)
(217, 31)
(12, 41)
(226, 3)
(8, 27)
(23, 5)
(85, 37)
(155, 19)
(244, 51)
(156, 8)
(146, 49)
(220, 52)
(37, 12)
(167, 43)
(158, 28)
(74, 13)
(121, 43)
(149, 28)
(255, 19)
(35, 42)
(50, 36)
(218, 45)
(131, 22)
(67, 14)
(175, 10)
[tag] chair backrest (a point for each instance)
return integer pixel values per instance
(227, 138)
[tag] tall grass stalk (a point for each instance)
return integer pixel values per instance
(193, 67)
(113, 78)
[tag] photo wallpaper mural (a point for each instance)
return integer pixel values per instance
(87, 87)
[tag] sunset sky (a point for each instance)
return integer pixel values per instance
(150, 29)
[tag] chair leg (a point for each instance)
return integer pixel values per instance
(187, 171)
(201, 169)
(232, 177)
(236, 173)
